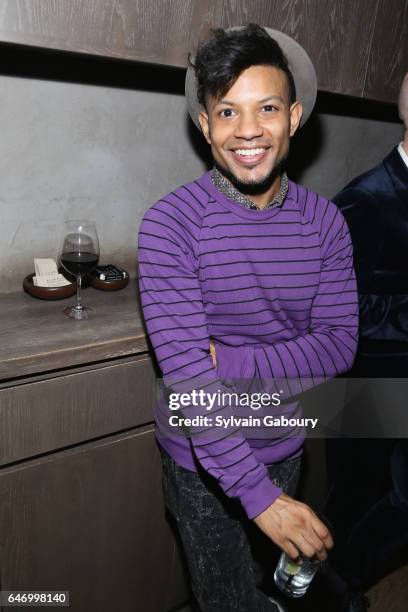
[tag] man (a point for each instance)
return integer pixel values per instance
(263, 268)
(369, 506)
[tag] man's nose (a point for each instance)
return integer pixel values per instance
(248, 126)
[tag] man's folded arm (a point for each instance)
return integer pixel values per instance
(176, 322)
(328, 347)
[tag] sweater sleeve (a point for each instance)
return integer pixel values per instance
(382, 316)
(176, 323)
(328, 347)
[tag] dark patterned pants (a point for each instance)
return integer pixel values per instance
(217, 537)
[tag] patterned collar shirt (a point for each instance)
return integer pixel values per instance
(222, 184)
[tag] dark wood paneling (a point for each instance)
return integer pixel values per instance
(91, 520)
(133, 29)
(346, 39)
(43, 416)
(337, 34)
(388, 61)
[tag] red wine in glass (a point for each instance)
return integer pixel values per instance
(79, 255)
(79, 263)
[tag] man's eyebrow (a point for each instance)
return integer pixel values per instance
(223, 101)
(267, 99)
(279, 98)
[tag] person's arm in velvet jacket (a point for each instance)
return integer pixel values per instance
(382, 316)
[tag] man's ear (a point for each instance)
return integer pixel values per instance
(296, 112)
(205, 125)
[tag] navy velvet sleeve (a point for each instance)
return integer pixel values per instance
(382, 316)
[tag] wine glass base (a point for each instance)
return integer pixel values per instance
(73, 312)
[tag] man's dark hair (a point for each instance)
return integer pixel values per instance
(221, 59)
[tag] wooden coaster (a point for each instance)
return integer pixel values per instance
(48, 293)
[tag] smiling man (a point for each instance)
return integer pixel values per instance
(249, 130)
(244, 275)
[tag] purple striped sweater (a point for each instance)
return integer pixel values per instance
(275, 289)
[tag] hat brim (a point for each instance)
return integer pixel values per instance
(300, 66)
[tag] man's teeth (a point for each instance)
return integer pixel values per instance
(249, 152)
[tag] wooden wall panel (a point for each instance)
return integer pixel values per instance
(337, 34)
(134, 29)
(348, 40)
(388, 61)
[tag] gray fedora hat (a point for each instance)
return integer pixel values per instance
(300, 66)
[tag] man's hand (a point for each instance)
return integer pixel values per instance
(295, 528)
(213, 353)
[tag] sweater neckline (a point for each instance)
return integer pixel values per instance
(234, 207)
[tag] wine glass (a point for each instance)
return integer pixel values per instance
(79, 255)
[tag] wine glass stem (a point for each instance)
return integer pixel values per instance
(78, 294)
